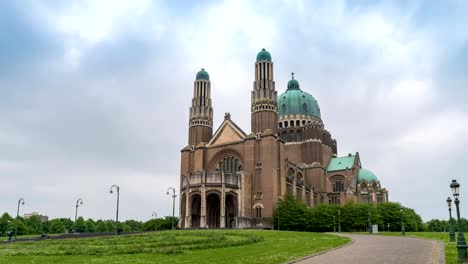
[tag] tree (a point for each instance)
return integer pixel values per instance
(56, 226)
(80, 225)
(90, 225)
(101, 226)
(6, 224)
(34, 224)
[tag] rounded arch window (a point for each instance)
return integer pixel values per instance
(338, 186)
(229, 164)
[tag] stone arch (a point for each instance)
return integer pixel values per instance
(224, 153)
(195, 209)
(231, 207)
(213, 210)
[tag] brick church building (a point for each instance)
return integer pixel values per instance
(234, 179)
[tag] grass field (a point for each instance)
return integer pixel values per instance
(207, 246)
(450, 247)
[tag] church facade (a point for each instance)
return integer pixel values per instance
(234, 179)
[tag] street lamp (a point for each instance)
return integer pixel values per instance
(173, 203)
(117, 188)
(339, 221)
(451, 233)
(403, 233)
(461, 244)
(366, 193)
(20, 201)
(78, 203)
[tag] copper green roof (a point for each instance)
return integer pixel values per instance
(295, 101)
(263, 55)
(203, 75)
(341, 163)
(367, 176)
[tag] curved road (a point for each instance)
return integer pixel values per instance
(372, 249)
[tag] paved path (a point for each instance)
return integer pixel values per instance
(372, 249)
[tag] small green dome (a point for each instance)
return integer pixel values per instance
(263, 55)
(293, 84)
(203, 75)
(367, 176)
(295, 101)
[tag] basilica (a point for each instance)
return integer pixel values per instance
(234, 179)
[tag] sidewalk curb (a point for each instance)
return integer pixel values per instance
(323, 252)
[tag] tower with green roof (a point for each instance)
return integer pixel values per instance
(201, 111)
(264, 96)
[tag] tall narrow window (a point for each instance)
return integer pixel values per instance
(258, 212)
(299, 135)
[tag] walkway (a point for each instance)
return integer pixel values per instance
(372, 249)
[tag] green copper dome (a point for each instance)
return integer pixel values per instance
(367, 176)
(263, 55)
(203, 75)
(295, 101)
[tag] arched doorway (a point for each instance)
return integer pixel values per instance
(231, 210)
(213, 206)
(195, 203)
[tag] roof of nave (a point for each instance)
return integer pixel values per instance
(341, 163)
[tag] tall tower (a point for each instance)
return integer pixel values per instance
(201, 112)
(264, 96)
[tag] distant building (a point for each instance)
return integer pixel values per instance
(44, 218)
(233, 179)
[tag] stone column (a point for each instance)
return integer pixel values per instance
(312, 201)
(203, 207)
(294, 192)
(222, 221)
(304, 197)
(188, 210)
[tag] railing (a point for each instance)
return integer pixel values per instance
(211, 178)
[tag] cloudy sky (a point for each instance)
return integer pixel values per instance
(96, 93)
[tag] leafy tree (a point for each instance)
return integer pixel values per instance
(6, 224)
(80, 225)
(34, 224)
(134, 225)
(56, 226)
(67, 223)
(90, 225)
(101, 226)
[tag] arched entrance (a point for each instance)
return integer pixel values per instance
(195, 203)
(213, 206)
(231, 210)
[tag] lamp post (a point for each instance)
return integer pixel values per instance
(451, 233)
(403, 233)
(366, 193)
(339, 221)
(117, 188)
(461, 244)
(173, 203)
(78, 203)
(20, 202)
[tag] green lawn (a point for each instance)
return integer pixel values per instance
(450, 247)
(191, 246)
